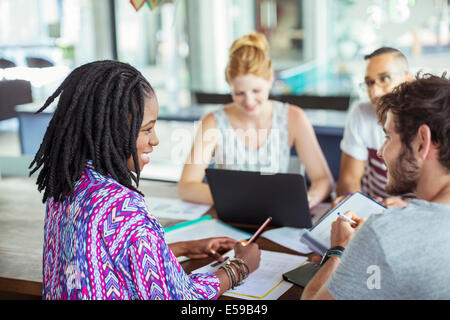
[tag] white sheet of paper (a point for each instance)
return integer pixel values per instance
(288, 237)
(358, 203)
(174, 208)
(266, 282)
(163, 170)
(206, 228)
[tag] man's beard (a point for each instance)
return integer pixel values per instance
(403, 174)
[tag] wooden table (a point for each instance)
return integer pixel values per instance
(21, 237)
(295, 292)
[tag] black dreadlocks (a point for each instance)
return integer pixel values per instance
(98, 117)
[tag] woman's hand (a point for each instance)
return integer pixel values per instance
(249, 253)
(203, 248)
(313, 200)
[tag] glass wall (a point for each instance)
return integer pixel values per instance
(283, 24)
(155, 41)
(419, 28)
(317, 46)
(45, 39)
(181, 46)
(212, 27)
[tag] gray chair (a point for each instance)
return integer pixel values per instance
(36, 62)
(32, 128)
(329, 140)
(4, 64)
(12, 93)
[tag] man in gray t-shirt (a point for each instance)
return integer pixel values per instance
(403, 253)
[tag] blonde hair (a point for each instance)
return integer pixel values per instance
(249, 55)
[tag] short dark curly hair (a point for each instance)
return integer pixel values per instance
(425, 100)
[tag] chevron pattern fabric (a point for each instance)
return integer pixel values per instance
(105, 245)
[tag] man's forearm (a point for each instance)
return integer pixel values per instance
(348, 186)
(313, 289)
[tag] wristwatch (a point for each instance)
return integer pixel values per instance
(336, 251)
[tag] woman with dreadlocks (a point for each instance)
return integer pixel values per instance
(100, 240)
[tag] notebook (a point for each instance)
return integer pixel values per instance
(266, 282)
(174, 208)
(303, 274)
(318, 237)
(202, 228)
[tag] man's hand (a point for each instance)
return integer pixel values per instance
(339, 199)
(392, 202)
(342, 231)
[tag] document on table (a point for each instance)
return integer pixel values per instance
(288, 237)
(164, 170)
(173, 208)
(204, 227)
(318, 237)
(266, 282)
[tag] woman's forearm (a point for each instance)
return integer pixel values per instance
(198, 192)
(320, 189)
(178, 248)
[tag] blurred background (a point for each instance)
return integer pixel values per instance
(181, 46)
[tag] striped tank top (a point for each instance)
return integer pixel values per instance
(374, 180)
(375, 176)
(272, 157)
(363, 137)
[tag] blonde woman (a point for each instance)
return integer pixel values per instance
(253, 133)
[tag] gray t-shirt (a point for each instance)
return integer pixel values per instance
(403, 253)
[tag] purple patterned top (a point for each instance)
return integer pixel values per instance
(106, 245)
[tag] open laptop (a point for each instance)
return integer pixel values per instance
(251, 197)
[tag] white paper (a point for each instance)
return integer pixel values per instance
(358, 203)
(266, 282)
(162, 170)
(174, 208)
(205, 229)
(288, 237)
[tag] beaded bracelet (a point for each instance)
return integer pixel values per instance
(241, 262)
(234, 281)
(230, 276)
(241, 268)
(237, 278)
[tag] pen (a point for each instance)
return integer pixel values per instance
(219, 262)
(258, 232)
(252, 239)
(347, 219)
